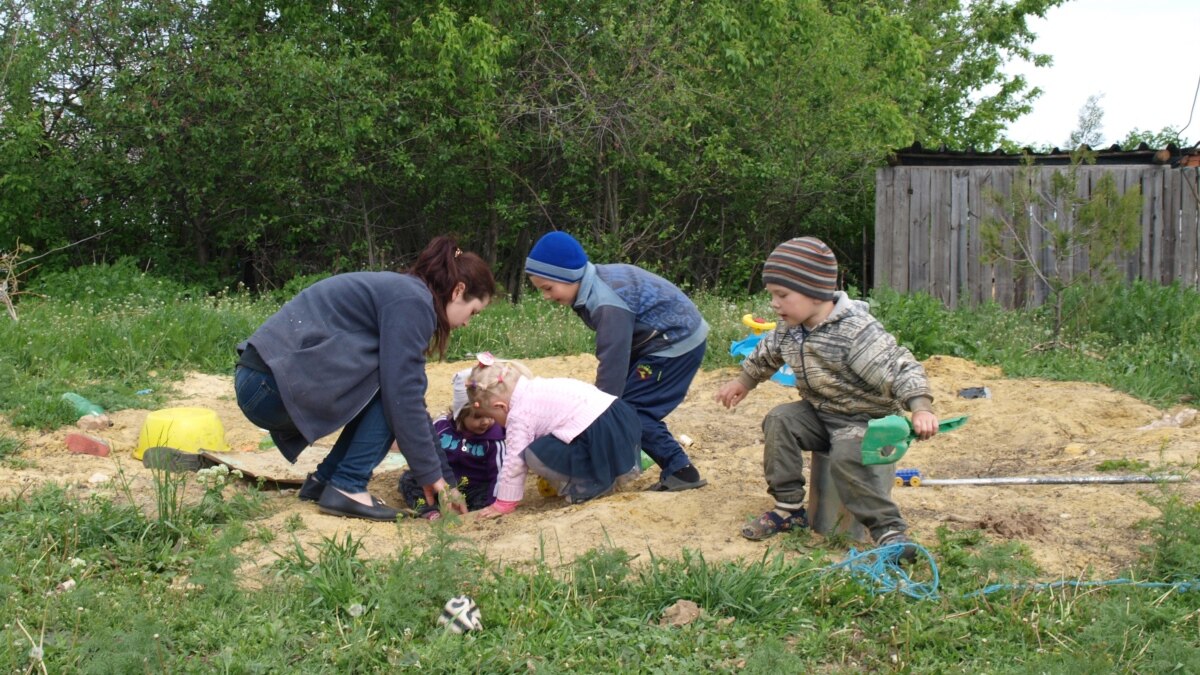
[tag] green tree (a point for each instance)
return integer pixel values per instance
(1089, 129)
(966, 97)
(1099, 227)
(223, 141)
(43, 178)
(1160, 139)
(694, 137)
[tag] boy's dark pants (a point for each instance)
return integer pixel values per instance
(656, 386)
(793, 427)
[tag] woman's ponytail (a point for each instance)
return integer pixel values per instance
(442, 266)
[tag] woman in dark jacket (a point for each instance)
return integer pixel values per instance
(349, 352)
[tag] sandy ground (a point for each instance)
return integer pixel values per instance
(1027, 427)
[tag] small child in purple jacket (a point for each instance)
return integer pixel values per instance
(474, 446)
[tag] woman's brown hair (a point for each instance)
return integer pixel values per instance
(442, 266)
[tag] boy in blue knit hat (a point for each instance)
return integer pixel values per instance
(650, 340)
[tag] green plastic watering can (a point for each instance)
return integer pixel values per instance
(887, 438)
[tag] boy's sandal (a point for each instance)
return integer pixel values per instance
(673, 483)
(770, 524)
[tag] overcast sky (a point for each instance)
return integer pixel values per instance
(1143, 56)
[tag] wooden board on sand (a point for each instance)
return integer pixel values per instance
(271, 466)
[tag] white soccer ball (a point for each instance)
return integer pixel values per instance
(460, 615)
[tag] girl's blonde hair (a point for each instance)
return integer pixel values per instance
(497, 380)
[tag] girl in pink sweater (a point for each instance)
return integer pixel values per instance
(584, 442)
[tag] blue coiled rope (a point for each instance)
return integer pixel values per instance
(1193, 585)
(880, 569)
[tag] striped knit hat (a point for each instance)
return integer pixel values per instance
(805, 265)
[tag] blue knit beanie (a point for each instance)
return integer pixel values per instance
(558, 257)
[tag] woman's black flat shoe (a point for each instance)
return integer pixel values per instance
(335, 503)
(312, 489)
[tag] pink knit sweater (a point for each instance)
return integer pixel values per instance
(539, 407)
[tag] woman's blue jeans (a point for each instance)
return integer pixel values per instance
(362, 445)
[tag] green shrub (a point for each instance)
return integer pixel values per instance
(1127, 312)
(97, 287)
(1174, 553)
(293, 287)
(919, 321)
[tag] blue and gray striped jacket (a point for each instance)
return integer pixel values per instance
(635, 313)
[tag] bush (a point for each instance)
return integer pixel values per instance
(97, 286)
(919, 321)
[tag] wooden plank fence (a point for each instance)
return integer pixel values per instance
(927, 230)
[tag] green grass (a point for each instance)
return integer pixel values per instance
(9, 447)
(108, 332)
(1123, 464)
(160, 591)
(1141, 339)
(168, 600)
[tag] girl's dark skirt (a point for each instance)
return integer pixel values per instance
(599, 460)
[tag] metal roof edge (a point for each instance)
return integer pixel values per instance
(916, 155)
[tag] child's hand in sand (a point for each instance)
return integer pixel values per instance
(487, 513)
(496, 509)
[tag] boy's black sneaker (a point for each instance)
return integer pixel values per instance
(906, 555)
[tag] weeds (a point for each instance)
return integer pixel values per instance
(1123, 464)
(335, 579)
(1175, 552)
(294, 523)
(138, 606)
(10, 447)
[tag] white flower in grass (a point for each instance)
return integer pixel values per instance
(217, 475)
(36, 652)
(356, 610)
(77, 562)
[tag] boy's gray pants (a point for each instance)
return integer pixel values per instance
(794, 427)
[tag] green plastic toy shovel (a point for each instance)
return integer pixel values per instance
(887, 438)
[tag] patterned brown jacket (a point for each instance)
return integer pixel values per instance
(848, 365)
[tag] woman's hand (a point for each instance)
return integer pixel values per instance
(447, 497)
(925, 424)
(731, 393)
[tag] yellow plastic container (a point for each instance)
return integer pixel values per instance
(545, 489)
(187, 429)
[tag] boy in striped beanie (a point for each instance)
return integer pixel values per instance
(849, 370)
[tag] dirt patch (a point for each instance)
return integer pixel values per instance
(1019, 526)
(1027, 427)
